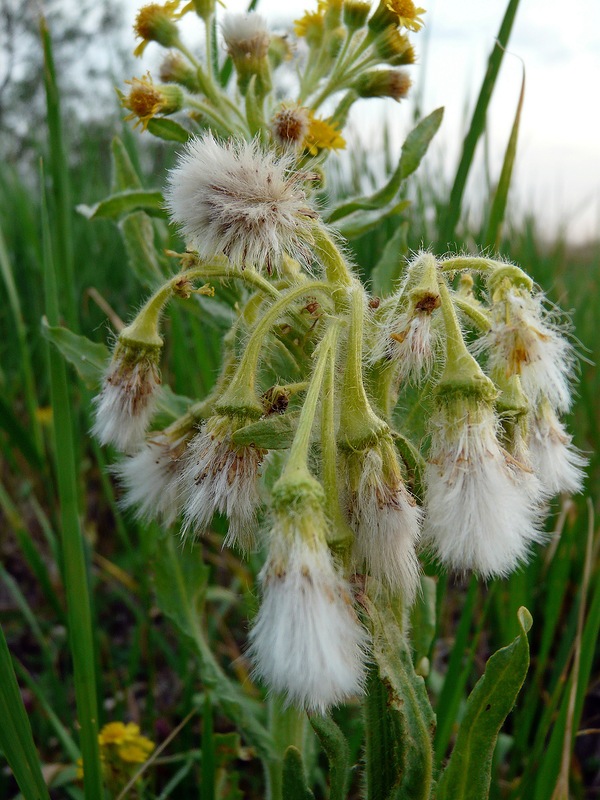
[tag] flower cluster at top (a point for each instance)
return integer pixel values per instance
(339, 53)
(313, 372)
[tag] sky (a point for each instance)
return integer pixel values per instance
(557, 174)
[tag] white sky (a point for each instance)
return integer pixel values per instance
(558, 160)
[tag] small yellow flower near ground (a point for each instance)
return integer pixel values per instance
(409, 16)
(114, 733)
(323, 135)
(136, 752)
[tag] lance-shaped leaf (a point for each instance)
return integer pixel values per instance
(89, 358)
(413, 150)
(389, 267)
(336, 747)
(361, 222)
(123, 203)
(124, 175)
(138, 235)
(399, 719)
(468, 773)
(168, 129)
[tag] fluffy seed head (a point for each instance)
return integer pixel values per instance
(385, 518)
(239, 200)
(478, 515)
(289, 127)
(126, 402)
(151, 477)
(558, 463)
(219, 476)
(306, 641)
(525, 341)
(246, 35)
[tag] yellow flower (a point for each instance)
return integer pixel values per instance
(310, 26)
(146, 99)
(322, 135)
(409, 16)
(136, 751)
(114, 733)
(154, 23)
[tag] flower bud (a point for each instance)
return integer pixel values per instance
(355, 13)
(392, 83)
(147, 99)
(175, 69)
(247, 39)
(154, 23)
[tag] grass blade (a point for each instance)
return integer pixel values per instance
(477, 127)
(79, 615)
(498, 210)
(16, 738)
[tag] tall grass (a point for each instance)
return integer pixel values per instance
(64, 535)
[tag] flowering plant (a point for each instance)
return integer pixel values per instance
(305, 443)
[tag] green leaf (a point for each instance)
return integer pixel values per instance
(494, 229)
(273, 433)
(361, 222)
(389, 267)
(399, 719)
(138, 235)
(119, 205)
(468, 773)
(181, 579)
(124, 173)
(16, 738)
(413, 150)
(168, 129)
(294, 782)
(336, 747)
(89, 358)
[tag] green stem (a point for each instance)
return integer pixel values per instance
(460, 365)
(358, 422)
(241, 393)
(477, 316)
(298, 458)
(287, 727)
(218, 270)
(336, 268)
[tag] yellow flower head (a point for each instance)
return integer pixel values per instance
(409, 16)
(322, 135)
(136, 751)
(147, 99)
(114, 733)
(311, 26)
(155, 23)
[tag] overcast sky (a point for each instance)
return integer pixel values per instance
(558, 168)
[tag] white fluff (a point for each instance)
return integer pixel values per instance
(248, 29)
(126, 404)
(558, 463)
(409, 340)
(307, 642)
(219, 476)
(525, 341)
(386, 521)
(239, 200)
(151, 478)
(478, 515)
